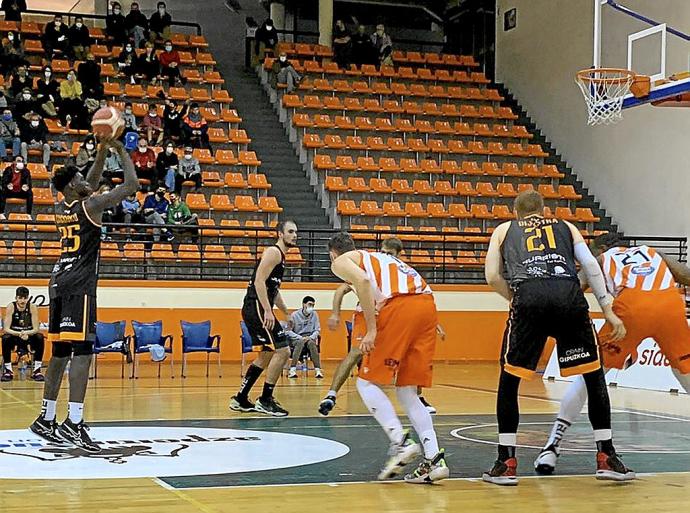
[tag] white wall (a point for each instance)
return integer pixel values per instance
(639, 169)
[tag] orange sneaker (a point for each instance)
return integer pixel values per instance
(503, 473)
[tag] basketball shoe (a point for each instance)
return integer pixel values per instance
(430, 470)
(399, 456)
(503, 473)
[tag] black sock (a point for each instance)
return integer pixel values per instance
(606, 446)
(268, 391)
(505, 452)
(253, 373)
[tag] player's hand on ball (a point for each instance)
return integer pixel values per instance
(269, 320)
(333, 322)
(368, 341)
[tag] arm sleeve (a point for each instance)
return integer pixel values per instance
(595, 278)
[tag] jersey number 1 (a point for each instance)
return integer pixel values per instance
(536, 242)
(70, 240)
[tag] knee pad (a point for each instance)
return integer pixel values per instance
(83, 348)
(62, 349)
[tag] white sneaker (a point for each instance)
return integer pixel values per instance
(400, 455)
(318, 374)
(545, 464)
(292, 373)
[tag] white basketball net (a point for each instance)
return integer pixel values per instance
(604, 90)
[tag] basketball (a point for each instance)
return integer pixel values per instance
(107, 122)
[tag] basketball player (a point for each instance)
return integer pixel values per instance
(398, 343)
(21, 331)
(267, 334)
(540, 256)
(644, 283)
(391, 246)
(72, 290)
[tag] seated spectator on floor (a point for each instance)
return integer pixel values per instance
(13, 53)
(148, 67)
(48, 93)
(170, 65)
(341, 44)
(152, 126)
(20, 79)
(34, 136)
(195, 128)
(89, 74)
(116, 25)
(144, 160)
(129, 119)
(86, 155)
(306, 329)
(180, 215)
(22, 333)
(159, 23)
(9, 135)
(13, 9)
(362, 49)
(265, 39)
(383, 46)
(284, 73)
(167, 163)
(56, 41)
(156, 212)
(137, 25)
(72, 110)
(79, 38)
(189, 170)
(127, 61)
(172, 120)
(16, 183)
(113, 167)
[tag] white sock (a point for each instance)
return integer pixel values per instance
(332, 392)
(557, 432)
(507, 439)
(602, 434)
(37, 366)
(76, 412)
(420, 419)
(8, 366)
(48, 409)
(573, 400)
(381, 408)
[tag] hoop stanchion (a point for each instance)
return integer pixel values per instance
(604, 90)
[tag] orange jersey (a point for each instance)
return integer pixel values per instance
(640, 268)
(391, 277)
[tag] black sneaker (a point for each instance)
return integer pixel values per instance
(611, 468)
(270, 407)
(78, 435)
(47, 429)
(7, 375)
(241, 404)
(37, 375)
(326, 405)
(503, 473)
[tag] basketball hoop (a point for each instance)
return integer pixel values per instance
(604, 90)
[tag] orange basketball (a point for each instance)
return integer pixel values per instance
(107, 122)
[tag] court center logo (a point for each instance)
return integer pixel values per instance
(155, 451)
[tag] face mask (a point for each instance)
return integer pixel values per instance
(128, 48)
(7, 117)
(188, 157)
(10, 37)
(128, 111)
(283, 59)
(48, 74)
(20, 165)
(89, 146)
(34, 124)
(116, 11)
(79, 25)
(168, 48)
(153, 114)
(308, 310)
(57, 24)
(168, 151)
(161, 11)
(160, 195)
(142, 149)
(26, 96)
(269, 27)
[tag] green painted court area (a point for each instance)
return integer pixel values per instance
(649, 443)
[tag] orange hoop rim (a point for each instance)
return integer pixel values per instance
(625, 75)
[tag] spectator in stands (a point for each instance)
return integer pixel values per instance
(3, 98)
(156, 212)
(9, 135)
(131, 210)
(137, 25)
(72, 111)
(86, 155)
(24, 105)
(34, 136)
(284, 73)
(148, 67)
(189, 170)
(13, 53)
(383, 46)
(170, 65)
(159, 23)
(144, 161)
(112, 167)
(116, 25)
(341, 44)
(167, 163)
(172, 119)
(306, 329)
(89, 74)
(265, 39)
(13, 9)
(20, 79)
(56, 39)
(21, 332)
(16, 183)
(48, 93)
(362, 49)
(195, 128)
(180, 215)
(152, 126)
(127, 61)
(79, 38)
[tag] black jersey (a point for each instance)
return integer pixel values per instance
(76, 271)
(538, 248)
(21, 321)
(272, 282)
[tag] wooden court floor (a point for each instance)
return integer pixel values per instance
(172, 445)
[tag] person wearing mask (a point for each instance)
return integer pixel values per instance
(144, 161)
(130, 209)
(48, 93)
(180, 215)
(148, 66)
(56, 39)
(34, 136)
(127, 61)
(189, 170)
(9, 135)
(129, 119)
(383, 46)
(13, 53)
(306, 330)
(137, 25)
(72, 108)
(195, 128)
(24, 105)
(362, 49)
(21, 332)
(86, 155)
(16, 183)
(20, 79)
(341, 44)
(116, 25)
(3, 98)
(156, 212)
(285, 73)
(170, 64)
(79, 38)
(89, 74)
(159, 23)
(266, 39)
(167, 163)
(13, 9)
(113, 167)
(152, 126)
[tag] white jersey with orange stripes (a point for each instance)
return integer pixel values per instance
(639, 267)
(391, 277)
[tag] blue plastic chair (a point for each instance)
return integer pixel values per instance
(247, 345)
(107, 334)
(197, 338)
(146, 334)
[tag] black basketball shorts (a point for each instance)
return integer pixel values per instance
(262, 339)
(72, 318)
